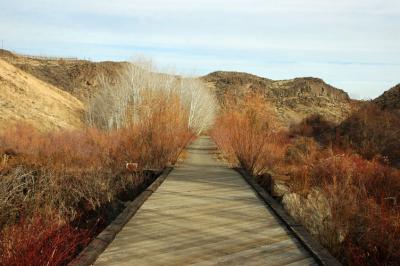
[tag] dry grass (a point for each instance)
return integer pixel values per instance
(24, 97)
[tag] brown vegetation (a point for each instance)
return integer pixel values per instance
(362, 199)
(64, 186)
(244, 131)
(74, 174)
(372, 132)
(69, 169)
(351, 204)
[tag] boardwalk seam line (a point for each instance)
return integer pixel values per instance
(316, 250)
(90, 254)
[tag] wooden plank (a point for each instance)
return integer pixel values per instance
(245, 256)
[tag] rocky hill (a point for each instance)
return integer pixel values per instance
(390, 99)
(374, 128)
(294, 99)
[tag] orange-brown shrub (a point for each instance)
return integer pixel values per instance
(376, 180)
(363, 200)
(247, 133)
(164, 131)
(302, 150)
(68, 169)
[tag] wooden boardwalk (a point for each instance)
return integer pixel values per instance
(204, 214)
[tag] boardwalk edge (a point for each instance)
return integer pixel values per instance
(90, 254)
(317, 251)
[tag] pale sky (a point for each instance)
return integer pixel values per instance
(351, 44)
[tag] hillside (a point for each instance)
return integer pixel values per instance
(24, 97)
(374, 128)
(294, 99)
(77, 77)
(390, 99)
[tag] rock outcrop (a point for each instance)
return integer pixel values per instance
(294, 99)
(390, 99)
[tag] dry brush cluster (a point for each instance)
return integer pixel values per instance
(342, 183)
(58, 189)
(248, 134)
(131, 99)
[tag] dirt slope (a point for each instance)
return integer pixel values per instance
(24, 97)
(294, 99)
(77, 77)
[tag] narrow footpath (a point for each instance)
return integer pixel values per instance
(204, 214)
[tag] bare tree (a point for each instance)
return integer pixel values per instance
(200, 103)
(123, 102)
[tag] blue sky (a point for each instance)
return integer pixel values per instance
(351, 44)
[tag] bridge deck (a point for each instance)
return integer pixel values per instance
(204, 214)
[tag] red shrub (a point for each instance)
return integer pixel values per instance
(377, 180)
(41, 241)
(378, 243)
